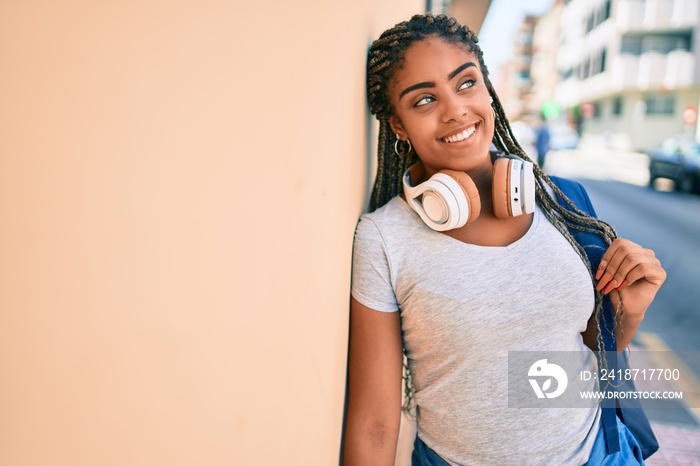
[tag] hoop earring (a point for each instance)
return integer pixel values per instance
(396, 147)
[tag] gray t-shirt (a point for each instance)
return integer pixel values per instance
(463, 307)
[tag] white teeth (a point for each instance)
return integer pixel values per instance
(461, 136)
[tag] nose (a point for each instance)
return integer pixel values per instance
(454, 109)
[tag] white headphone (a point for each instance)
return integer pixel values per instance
(450, 199)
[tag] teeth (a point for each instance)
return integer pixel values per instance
(461, 136)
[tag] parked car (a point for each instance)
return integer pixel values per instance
(678, 159)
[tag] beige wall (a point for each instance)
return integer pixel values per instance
(470, 12)
(179, 184)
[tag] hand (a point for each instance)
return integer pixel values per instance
(628, 266)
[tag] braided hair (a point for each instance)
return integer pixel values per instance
(386, 56)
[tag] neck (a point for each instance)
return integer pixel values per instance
(483, 178)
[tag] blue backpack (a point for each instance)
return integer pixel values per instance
(629, 411)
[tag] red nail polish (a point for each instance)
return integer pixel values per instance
(609, 287)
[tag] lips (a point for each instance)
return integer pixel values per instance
(461, 136)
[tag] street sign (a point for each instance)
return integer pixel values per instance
(690, 115)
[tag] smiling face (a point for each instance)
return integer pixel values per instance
(441, 103)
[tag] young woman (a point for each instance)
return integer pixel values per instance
(456, 296)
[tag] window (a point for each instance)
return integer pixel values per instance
(597, 110)
(606, 10)
(617, 106)
(596, 17)
(635, 44)
(631, 45)
(660, 104)
(590, 23)
(593, 64)
(437, 6)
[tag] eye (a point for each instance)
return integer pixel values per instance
(425, 100)
(467, 84)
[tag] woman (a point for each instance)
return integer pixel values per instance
(457, 295)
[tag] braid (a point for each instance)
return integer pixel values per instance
(385, 58)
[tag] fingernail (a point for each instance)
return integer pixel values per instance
(601, 269)
(624, 282)
(610, 286)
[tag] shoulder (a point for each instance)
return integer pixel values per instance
(575, 192)
(393, 231)
(391, 216)
(390, 211)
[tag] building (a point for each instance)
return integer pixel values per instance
(545, 49)
(630, 67)
(515, 83)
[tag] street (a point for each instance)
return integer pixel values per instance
(664, 221)
(668, 223)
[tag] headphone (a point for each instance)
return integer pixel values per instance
(450, 199)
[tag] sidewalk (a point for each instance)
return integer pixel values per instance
(599, 163)
(678, 431)
(678, 446)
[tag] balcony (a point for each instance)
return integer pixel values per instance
(653, 70)
(680, 67)
(656, 15)
(625, 72)
(630, 15)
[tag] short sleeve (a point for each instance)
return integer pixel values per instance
(371, 269)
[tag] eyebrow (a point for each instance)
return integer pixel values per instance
(429, 84)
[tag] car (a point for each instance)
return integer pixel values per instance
(676, 158)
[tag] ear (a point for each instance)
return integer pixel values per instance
(396, 127)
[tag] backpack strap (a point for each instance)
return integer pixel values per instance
(595, 247)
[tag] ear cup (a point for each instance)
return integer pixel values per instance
(470, 192)
(446, 201)
(528, 186)
(513, 187)
(501, 188)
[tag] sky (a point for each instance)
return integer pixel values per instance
(501, 22)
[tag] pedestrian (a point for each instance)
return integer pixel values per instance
(455, 292)
(543, 137)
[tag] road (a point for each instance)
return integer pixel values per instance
(665, 221)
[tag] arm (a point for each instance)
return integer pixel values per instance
(375, 364)
(633, 275)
